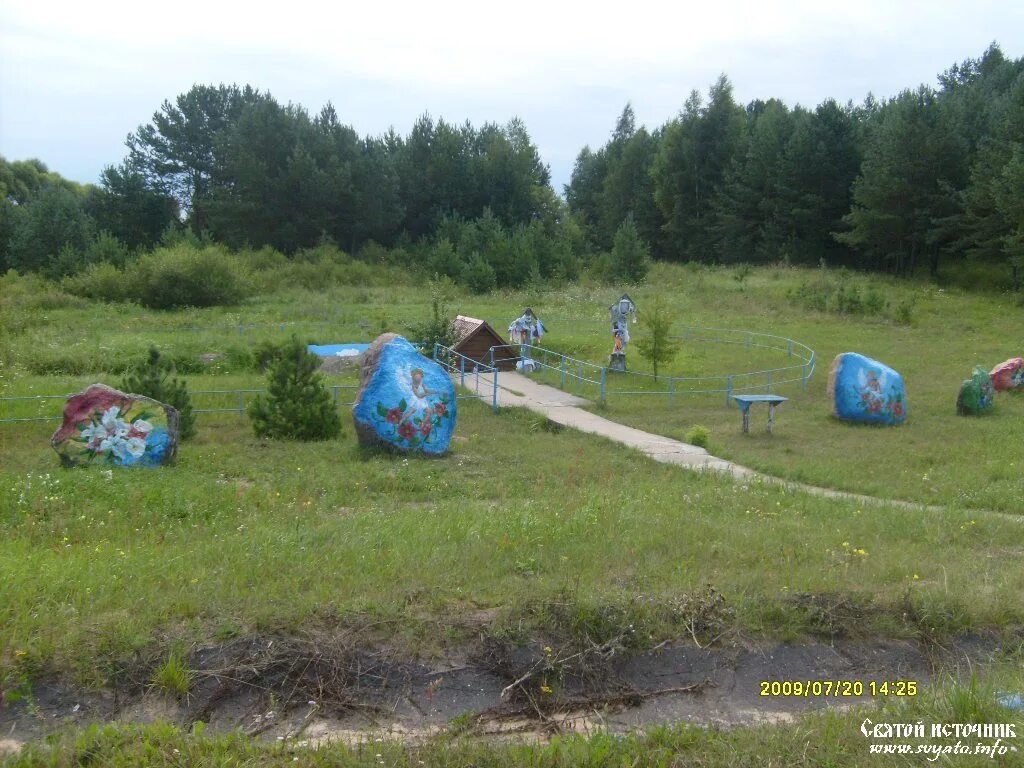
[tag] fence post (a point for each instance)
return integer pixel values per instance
(491, 353)
(804, 378)
(728, 389)
(562, 385)
(604, 383)
(790, 345)
(494, 389)
(671, 391)
(241, 403)
(334, 389)
(436, 345)
(462, 371)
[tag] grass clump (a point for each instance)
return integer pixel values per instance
(698, 435)
(173, 677)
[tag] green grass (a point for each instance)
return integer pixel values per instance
(246, 536)
(820, 739)
(173, 677)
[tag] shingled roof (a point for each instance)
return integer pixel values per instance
(474, 338)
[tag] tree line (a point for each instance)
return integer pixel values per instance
(930, 176)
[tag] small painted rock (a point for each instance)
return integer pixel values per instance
(977, 394)
(105, 426)
(1008, 375)
(866, 390)
(406, 402)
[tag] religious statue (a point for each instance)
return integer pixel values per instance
(526, 330)
(621, 312)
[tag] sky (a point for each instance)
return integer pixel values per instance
(77, 78)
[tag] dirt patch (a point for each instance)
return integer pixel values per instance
(319, 690)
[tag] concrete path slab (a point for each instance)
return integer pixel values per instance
(515, 389)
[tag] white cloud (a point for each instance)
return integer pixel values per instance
(76, 77)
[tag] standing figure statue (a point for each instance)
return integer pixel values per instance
(620, 312)
(526, 330)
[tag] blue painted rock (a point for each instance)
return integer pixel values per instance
(406, 402)
(1008, 375)
(105, 426)
(866, 390)
(976, 394)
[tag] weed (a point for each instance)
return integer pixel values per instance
(173, 677)
(698, 435)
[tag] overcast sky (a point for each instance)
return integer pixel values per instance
(76, 78)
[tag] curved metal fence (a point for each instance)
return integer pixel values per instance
(574, 374)
(582, 377)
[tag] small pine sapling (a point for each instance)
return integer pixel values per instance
(155, 379)
(656, 344)
(298, 405)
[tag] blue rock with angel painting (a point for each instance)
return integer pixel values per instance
(406, 401)
(866, 390)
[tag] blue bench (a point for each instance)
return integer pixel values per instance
(745, 401)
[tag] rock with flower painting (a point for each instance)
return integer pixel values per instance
(977, 395)
(866, 390)
(1008, 375)
(406, 402)
(111, 428)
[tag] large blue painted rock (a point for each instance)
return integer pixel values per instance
(406, 402)
(866, 390)
(976, 394)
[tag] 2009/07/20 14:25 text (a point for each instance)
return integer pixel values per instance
(838, 688)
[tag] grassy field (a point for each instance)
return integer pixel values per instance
(244, 535)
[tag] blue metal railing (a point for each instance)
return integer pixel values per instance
(582, 373)
(458, 363)
(239, 397)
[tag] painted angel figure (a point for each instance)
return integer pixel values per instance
(416, 393)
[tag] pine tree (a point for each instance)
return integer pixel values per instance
(298, 406)
(656, 344)
(155, 379)
(630, 257)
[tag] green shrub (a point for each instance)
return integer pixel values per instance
(298, 406)
(106, 247)
(479, 275)
(154, 378)
(698, 435)
(186, 276)
(903, 313)
(102, 281)
(436, 329)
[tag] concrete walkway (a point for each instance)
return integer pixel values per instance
(514, 389)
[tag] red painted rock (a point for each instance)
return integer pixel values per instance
(1008, 375)
(105, 426)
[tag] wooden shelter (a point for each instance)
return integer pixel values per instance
(474, 339)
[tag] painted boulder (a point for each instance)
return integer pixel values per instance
(105, 426)
(1008, 375)
(866, 390)
(977, 394)
(406, 402)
